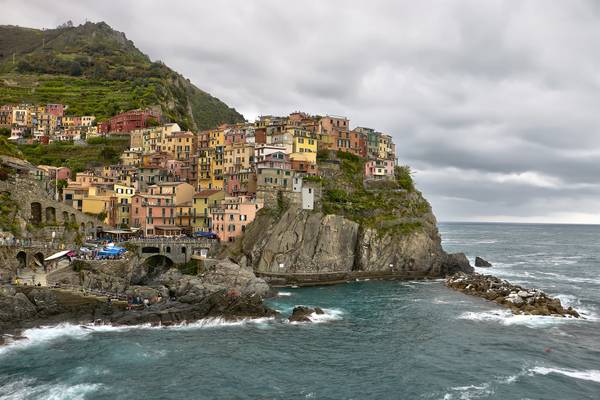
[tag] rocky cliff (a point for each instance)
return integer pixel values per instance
(310, 247)
(223, 290)
(357, 230)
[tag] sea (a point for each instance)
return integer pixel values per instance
(376, 340)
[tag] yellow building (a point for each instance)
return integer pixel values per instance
(179, 145)
(184, 215)
(211, 158)
(305, 146)
(385, 147)
(131, 158)
(123, 193)
(202, 202)
(237, 157)
(181, 192)
(97, 205)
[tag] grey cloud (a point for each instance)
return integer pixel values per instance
(493, 103)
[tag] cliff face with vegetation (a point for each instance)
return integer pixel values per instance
(385, 229)
(98, 71)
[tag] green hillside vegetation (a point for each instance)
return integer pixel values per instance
(97, 152)
(98, 71)
(8, 149)
(392, 205)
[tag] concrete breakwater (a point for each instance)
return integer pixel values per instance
(519, 299)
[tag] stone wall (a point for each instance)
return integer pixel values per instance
(43, 214)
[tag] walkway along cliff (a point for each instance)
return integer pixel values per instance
(356, 229)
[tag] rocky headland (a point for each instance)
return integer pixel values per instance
(520, 300)
(358, 229)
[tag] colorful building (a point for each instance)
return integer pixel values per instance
(379, 169)
(230, 218)
(202, 201)
(129, 121)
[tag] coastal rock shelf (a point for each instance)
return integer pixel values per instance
(520, 300)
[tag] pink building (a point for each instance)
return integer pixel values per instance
(241, 183)
(379, 169)
(59, 173)
(155, 214)
(230, 218)
(58, 110)
(277, 160)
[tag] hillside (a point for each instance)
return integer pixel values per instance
(97, 70)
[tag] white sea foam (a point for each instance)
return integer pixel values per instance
(507, 318)
(45, 334)
(219, 323)
(587, 375)
(28, 389)
(284, 294)
(469, 392)
(330, 314)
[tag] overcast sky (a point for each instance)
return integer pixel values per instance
(495, 104)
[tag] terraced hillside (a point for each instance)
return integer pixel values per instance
(97, 70)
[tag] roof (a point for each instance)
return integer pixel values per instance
(207, 193)
(169, 183)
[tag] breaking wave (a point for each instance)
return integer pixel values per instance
(507, 318)
(45, 334)
(29, 389)
(592, 375)
(330, 314)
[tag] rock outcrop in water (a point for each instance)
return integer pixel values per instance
(520, 300)
(481, 263)
(303, 313)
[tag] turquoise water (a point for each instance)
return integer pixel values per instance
(378, 340)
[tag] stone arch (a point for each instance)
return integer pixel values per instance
(159, 260)
(183, 249)
(51, 215)
(22, 259)
(73, 219)
(38, 260)
(36, 213)
(65, 217)
(155, 266)
(150, 250)
(168, 250)
(90, 226)
(82, 227)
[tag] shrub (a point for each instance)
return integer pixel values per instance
(404, 179)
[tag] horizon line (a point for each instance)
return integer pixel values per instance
(518, 223)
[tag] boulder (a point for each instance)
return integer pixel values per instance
(481, 263)
(303, 313)
(227, 274)
(456, 262)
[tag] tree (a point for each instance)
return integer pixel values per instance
(404, 179)
(5, 132)
(102, 215)
(152, 122)
(61, 184)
